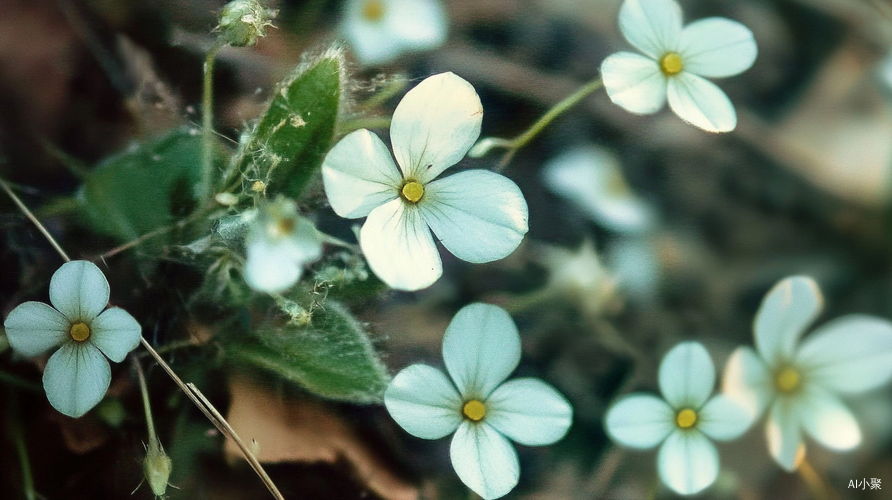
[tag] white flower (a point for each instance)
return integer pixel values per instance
(591, 178)
(800, 383)
(479, 216)
(688, 462)
(379, 30)
(279, 244)
(675, 61)
(578, 276)
(481, 348)
(77, 375)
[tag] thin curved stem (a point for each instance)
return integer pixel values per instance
(207, 121)
(25, 210)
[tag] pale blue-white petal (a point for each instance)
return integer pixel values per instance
(372, 40)
(399, 247)
(652, 26)
(723, 419)
(787, 310)
(634, 82)
(828, 420)
(484, 460)
(481, 348)
(529, 411)
(849, 354)
(76, 378)
(34, 328)
(276, 261)
(748, 381)
(434, 125)
(424, 402)
(700, 103)
(688, 462)
(784, 432)
(717, 47)
(79, 290)
(480, 216)
(687, 376)
(359, 175)
(418, 24)
(115, 332)
(640, 421)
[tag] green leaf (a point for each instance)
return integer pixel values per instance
(285, 148)
(331, 357)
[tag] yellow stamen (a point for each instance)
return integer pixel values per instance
(787, 380)
(686, 418)
(413, 191)
(671, 64)
(474, 410)
(373, 10)
(283, 227)
(79, 331)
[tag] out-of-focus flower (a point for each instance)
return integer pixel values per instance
(675, 61)
(684, 421)
(380, 30)
(578, 276)
(798, 383)
(481, 348)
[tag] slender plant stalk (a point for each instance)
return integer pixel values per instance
(819, 488)
(33, 219)
(18, 436)
(207, 122)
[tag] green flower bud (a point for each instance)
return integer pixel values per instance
(242, 21)
(157, 467)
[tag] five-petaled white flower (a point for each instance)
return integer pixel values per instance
(688, 462)
(279, 244)
(800, 383)
(675, 61)
(481, 348)
(479, 216)
(379, 30)
(77, 375)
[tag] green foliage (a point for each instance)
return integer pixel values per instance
(286, 146)
(331, 356)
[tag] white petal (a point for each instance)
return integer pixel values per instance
(359, 175)
(399, 247)
(652, 26)
(829, 421)
(419, 24)
(76, 378)
(275, 263)
(717, 47)
(34, 328)
(700, 103)
(785, 313)
(783, 430)
(79, 290)
(480, 216)
(481, 348)
(634, 82)
(687, 376)
(373, 42)
(529, 411)
(688, 462)
(424, 402)
(640, 421)
(748, 381)
(484, 460)
(434, 125)
(849, 354)
(115, 333)
(723, 419)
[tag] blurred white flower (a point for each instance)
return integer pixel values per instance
(578, 276)
(675, 61)
(591, 178)
(684, 421)
(635, 264)
(479, 216)
(379, 30)
(481, 348)
(77, 375)
(800, 383)
(279, 244)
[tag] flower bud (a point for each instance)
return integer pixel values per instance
(157, 468)
(242, 21)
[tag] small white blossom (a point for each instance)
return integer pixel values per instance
(380, 30)
(77, 375)
(676, 60)
(279, 244)
(479, 216)
(684, 421)
(799, 383)
(481, 348)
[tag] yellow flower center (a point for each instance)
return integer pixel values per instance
(413, 191)
(616, 185)
(373, 10)
(283, 227)
(787, 380)
(79, 331)
(474, 410)
(686, 418)
(671, 64)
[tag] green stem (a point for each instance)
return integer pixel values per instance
(33, 219)
(207, 121)
(144, 389)
(17, 434)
